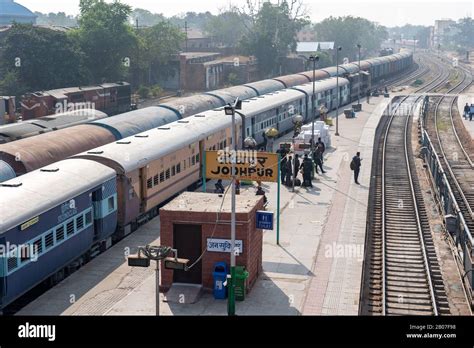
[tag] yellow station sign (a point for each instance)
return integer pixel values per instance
(250, 165)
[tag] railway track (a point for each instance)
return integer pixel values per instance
(402, 275)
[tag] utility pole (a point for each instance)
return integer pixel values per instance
(338, 48)
(314, 59)
(186, 31)
(414, 45)
(137, 64)
(230, 110)
(358, 90)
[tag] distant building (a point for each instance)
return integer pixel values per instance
(306, 35)
(308, 48)
(442, 30)
(11, 12)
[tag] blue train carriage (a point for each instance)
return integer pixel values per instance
(155, 165)
(53, 218)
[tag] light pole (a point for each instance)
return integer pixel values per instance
(313, 59)
(414, 45)
(230, 110)
(337, 87)
(358, 90)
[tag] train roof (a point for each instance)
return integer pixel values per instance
(37, 192)
(322, 85)
(44, 149)
(268, 101)
(230, 94)
(187, 106)
(49, 123)
(318, 74)
(134, 152)
(293, 80)
(137, 121)
(351, 68)
(266, 86)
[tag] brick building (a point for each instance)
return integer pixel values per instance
(188, 224)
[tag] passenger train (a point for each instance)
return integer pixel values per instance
(22, 156)
(55, 218)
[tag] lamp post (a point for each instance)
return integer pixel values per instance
(230, 110)
(313, 59)
(337, 87)
(358, 90)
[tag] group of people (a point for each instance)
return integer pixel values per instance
(290, 167)
(468, 111)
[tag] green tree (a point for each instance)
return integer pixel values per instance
(106, 38)
(228, 27)
(59, 19)
(272, 35)
(146, 18)
(349, 31)
(193, 19)
(465, 33)
(39, 59)
(159, 45)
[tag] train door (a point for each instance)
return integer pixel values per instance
(143, 189)
(201, 157)
(252, 128)
(277, 112)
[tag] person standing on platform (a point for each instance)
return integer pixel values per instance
(368, 96)
(466, 111)
(355, 166)
(296, 166)
(320, 147)
(318, 162)
(307, 167)
(471, 112)
(289, 170)
(283, 170)
(265, 141)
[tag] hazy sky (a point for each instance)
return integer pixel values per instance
(386, 12)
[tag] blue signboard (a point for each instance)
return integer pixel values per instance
(265, 220)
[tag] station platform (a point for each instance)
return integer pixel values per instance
(467, 97)
(316, 269)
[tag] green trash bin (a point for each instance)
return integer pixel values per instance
(241, 276)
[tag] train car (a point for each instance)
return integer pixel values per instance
(111, 98)
(7, 109)
(318, 75)
(229, 95)
(266, 86)
(153, 166)
(137, 121)
(51, 218)
(293, 80)
(25, 155)
(30, 128)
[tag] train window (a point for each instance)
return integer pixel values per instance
(197, 158)
(80, 223)
(25, 253)
(248, 131)
(173, 171)
(88, 218)
(59, 233)
(38, 246)
(12, 263)
(70, 228)
(48, 241)
(156, 180)
(178, 168)
(225, 143)
(162, 176)
(149, 183)
(184, 164)
(167, 174)
(193, 160)
(111, 204)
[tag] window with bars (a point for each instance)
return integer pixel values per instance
(167, 174)
(197, 158)
(80, 219)
(162, 176)
(193, 160)
(173, 171)
(149, 183)
(48, 241)
(59, 233)
(70, 228)
(38, 246)
(178, 168)
(25, 253)
(156, 180)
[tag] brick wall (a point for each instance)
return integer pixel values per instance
(252, 239)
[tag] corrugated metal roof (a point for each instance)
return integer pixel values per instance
(40, 190)
(192, 105)
(266, 86)
(231, 93)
